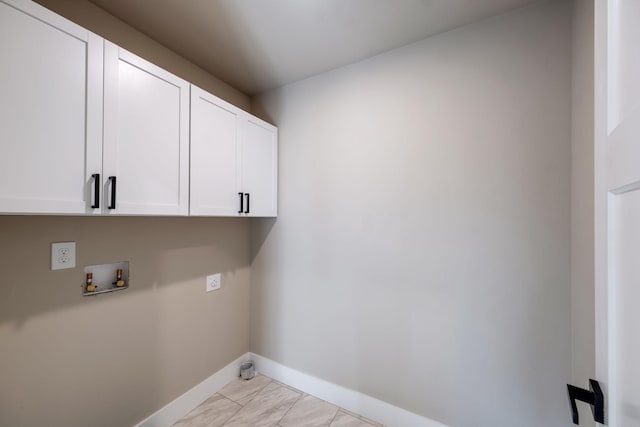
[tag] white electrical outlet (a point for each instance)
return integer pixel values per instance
(63, 255)
(214, 282)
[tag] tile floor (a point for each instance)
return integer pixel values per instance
(263, 402)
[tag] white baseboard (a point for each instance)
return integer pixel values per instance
(175, 410)
(353, 401)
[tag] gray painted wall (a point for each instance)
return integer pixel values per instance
(422, 252)
(582, 191)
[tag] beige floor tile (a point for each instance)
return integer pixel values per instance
(289, 387)
(343, 419)
(242, 391)
(214, 412)
(309, 411)
(266, 408)
(263, 402)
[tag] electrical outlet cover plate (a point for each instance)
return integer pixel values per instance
(213, 282)
(63, 255)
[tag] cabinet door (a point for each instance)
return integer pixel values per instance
(259, 154)
(214, 155)
(146, 137)
(50, 111)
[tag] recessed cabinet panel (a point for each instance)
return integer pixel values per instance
(260, 166)
(146, 137)
(50, 111)
(214, 157)
(233, 160)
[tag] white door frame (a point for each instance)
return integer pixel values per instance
(616, 173)
(601, 200)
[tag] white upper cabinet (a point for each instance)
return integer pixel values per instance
(259, 167)
(50, 112)
(146, 137)
(233, 160)
(89, 128)
(215, 128)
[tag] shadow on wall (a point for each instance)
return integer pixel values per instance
(260, 230)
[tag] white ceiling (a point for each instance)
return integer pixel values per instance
(256, 45)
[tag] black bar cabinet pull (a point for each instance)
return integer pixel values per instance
(241, 202)
(96, 190)
(112, 205)
(248, 196)
(593, 397)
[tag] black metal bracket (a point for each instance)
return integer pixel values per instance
(593, 397)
